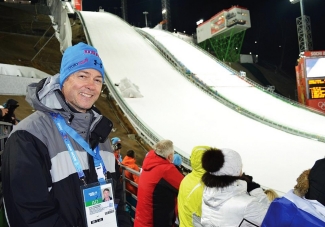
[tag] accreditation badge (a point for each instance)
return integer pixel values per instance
(99, 204)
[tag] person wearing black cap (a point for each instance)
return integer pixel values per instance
(8, 112)
(302, 206)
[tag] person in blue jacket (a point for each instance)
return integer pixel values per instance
(302, 206)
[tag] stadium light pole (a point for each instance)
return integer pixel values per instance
(302, 25)
(145, 17)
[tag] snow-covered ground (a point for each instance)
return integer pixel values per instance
(176, 109)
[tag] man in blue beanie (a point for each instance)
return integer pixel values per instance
(60, 148)
(178, 162)
(117, 146)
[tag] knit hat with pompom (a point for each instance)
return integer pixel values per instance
(220, 162)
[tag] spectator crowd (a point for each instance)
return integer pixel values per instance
(217, 193)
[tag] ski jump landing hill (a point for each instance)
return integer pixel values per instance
(192, 99)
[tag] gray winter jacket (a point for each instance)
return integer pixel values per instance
(40, 184)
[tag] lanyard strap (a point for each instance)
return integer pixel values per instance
(64, 129)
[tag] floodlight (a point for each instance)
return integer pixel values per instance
(199, 22)
(294, 1)
(145, 17)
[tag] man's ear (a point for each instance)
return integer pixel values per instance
(170, 158)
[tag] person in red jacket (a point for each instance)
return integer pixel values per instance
(158, 188)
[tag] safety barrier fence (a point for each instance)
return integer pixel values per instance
(127, 194)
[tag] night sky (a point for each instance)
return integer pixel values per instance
(273, 23)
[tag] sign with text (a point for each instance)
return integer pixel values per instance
(316, 88)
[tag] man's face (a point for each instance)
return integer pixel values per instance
(82, 89)
(106, 194)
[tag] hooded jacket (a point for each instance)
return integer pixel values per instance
(191, 191)
(130, 163)
(40, 184)
(230, 205)
(157, 192)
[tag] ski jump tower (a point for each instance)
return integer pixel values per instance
(224, 33)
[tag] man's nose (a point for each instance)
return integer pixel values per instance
(90, 84)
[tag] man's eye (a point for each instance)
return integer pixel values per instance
(82, 76)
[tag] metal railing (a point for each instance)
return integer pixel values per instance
(127, 180)
(131, 205)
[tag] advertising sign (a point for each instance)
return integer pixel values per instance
(310, 76)
(218, 24)
(317, 53)
(78, 5)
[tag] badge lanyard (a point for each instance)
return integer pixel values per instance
(64, 129)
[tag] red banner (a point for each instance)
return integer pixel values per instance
(318, 104)
(78, 5)
(314, 53)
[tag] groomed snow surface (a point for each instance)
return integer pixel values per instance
(176, 109)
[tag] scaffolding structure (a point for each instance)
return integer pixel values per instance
(304, 33)
(166, 15)
(226, 47)
(124, 10)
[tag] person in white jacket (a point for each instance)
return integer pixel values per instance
(227, 199)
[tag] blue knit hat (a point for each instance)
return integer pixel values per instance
(115, 140)
(79, 57)
(177, 160)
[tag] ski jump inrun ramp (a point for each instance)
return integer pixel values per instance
(174, 107)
